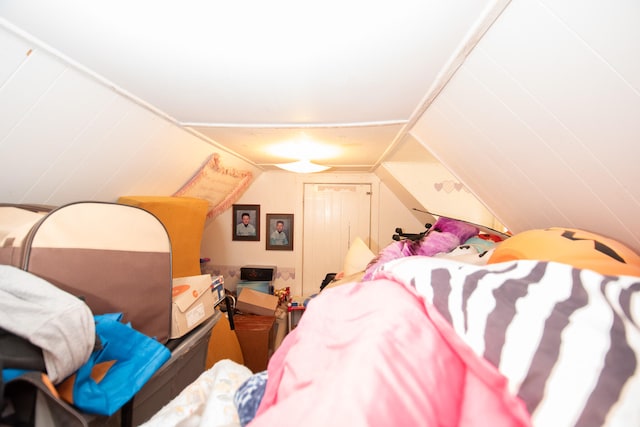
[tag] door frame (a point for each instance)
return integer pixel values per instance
(337, 178)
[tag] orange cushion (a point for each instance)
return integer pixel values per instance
(184, 218)
(579, 248)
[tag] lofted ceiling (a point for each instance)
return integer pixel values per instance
(247, 75)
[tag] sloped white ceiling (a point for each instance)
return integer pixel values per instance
(252, 73)
(64, 136)
(542, 120)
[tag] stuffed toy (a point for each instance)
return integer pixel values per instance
(445, 235)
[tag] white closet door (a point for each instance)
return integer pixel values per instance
(334, 215)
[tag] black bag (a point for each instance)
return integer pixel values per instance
(18, 353)
(26, 399)
(30, 401)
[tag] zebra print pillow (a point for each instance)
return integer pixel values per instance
(566, 339)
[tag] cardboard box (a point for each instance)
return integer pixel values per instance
(254, 302)
(264, 287)
(192, 304)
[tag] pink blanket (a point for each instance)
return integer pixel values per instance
(375, 354)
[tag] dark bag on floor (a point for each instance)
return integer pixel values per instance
(31, 400)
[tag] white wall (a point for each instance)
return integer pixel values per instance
(281, 192)
(275, 193)
(439, 191)
(394, 214)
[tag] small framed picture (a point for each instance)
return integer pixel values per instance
(246, 223)
(279, 232)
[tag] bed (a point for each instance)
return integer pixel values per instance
(539, 329)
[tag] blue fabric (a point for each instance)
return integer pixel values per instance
(137, 357)
(8, 374)
(248, 397)
(480, 244)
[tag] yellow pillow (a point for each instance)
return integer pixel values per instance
(358, 257)
(184, 218)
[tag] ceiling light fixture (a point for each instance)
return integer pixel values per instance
(303, 148)
(302, 166)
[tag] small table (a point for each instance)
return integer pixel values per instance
(291, 309)
(256, 335)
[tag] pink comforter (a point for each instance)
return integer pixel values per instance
(375, 354)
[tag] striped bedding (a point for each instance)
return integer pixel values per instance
(566, 339)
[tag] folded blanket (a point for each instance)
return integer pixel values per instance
(208, 401)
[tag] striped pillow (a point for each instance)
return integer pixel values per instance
(566, 339)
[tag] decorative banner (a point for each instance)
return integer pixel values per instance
(220, 186)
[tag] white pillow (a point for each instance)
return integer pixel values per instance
(358, 257)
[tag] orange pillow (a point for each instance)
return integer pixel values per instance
(579, 248)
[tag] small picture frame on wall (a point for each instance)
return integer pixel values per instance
(246, 223)
(279, 232)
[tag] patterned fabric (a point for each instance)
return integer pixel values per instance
(219, 185)
(248, 397)
(206, 402)
(567, 339)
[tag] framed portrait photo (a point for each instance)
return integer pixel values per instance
(279, 232)
(246, 223)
